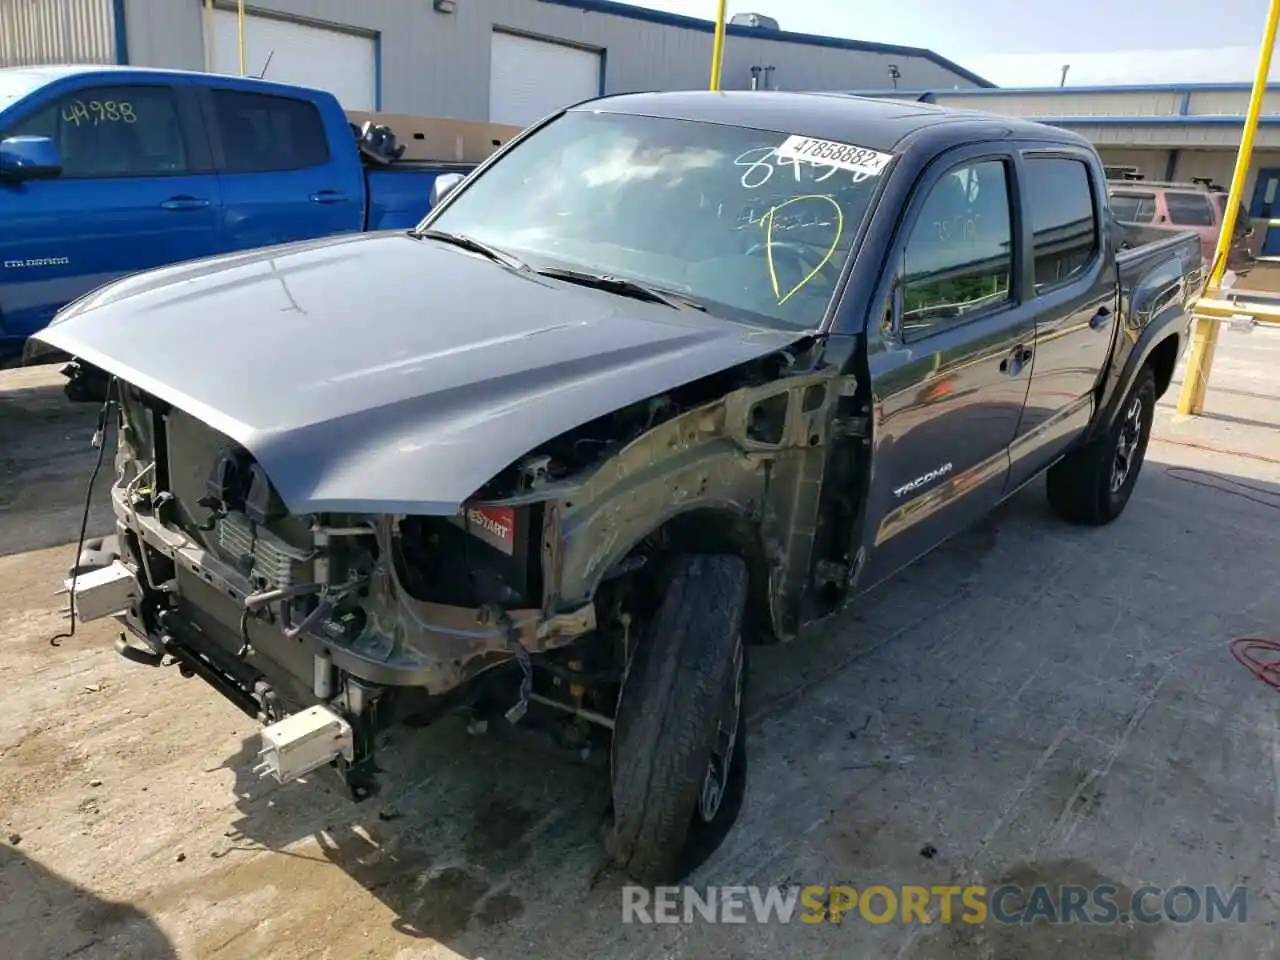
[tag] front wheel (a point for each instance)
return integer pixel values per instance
(679, 750)
(1092, 485)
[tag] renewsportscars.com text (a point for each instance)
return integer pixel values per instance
(974, 904)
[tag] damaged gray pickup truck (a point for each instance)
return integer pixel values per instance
(669, 376)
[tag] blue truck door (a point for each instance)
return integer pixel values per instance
(136, 192)
(950, 376)
(285, 174)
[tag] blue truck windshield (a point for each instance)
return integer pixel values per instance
(748, 222)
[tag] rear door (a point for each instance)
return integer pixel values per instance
(1071, 270)
(137, 191)
(1241, 249)
(285, 175)
(951, 372)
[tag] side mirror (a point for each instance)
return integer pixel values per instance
(444, 185)
(29, 158)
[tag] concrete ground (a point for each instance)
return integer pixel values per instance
(1032, 703)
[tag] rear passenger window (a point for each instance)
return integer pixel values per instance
(959, 259)
(112, 132)
(1188, 209)
(261, 133)
(1063, 225)
(1134, 207)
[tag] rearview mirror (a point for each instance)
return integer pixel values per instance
(444, 185)
(29, 158)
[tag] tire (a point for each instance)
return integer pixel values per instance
(1092, 485)
(677, 774)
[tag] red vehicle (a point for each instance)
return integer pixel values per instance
(1184, 206)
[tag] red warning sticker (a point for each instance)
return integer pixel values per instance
(496, 525)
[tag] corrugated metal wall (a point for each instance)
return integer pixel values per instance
(1070, 103)
(57, 31)
(438, 64)
(1152, 163)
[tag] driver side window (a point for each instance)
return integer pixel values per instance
(112, 132)
(959, 258)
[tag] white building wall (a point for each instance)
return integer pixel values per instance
(56, 31)
(439, 64)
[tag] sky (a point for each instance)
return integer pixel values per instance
(1104, 41)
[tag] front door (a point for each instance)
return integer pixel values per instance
(1075, 289)
(130, 197)
(951, 373)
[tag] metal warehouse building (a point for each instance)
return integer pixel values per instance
(1160, 131)
(509, 61)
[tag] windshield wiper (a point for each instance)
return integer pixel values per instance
(623, 287)
(475, 246)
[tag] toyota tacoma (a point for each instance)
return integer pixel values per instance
(668, 376)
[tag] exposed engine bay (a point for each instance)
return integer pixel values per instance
(329, 627)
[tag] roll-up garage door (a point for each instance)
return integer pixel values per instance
(310, 56)
(529, 78)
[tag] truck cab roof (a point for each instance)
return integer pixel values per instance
(879, 124)
(17, 82)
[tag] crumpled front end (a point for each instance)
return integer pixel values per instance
(327, 626)
(281, 612)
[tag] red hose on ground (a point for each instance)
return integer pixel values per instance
(1247, 649)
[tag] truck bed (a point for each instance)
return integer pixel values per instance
(400, 193)
(1153, 265)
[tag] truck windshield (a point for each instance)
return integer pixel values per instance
(705, 210)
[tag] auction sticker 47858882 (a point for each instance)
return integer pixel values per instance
(831, 153)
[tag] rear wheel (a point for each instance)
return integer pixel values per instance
(679, 750)
(1092, 485)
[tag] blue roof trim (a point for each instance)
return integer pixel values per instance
(121, 31)
(1178, 121)
(993, 91)
(785, 36)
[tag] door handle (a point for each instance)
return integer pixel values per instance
(1099, 319)
(184, 203)
(328, 196)
(1018, 358)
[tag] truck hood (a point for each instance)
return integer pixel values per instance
(381, 373)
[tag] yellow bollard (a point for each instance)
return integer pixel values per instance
(211, 54)
(717, 47)
(240, 32)
(1204, 337)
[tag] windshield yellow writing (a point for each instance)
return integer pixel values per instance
(95, 112)
(767, 222)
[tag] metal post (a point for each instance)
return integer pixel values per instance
(1204, 338)
(211, 54)
(717, 48)
(240, 31)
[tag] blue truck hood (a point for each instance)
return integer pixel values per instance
(380, 373)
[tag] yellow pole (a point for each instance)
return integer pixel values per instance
(717, 48)
(211, 55)
(240, 31)
(1204, 338)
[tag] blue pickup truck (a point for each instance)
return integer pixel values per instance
(106, 171)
